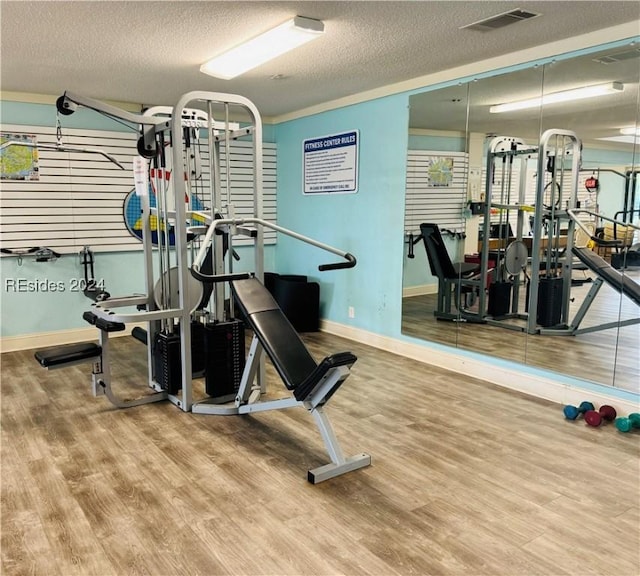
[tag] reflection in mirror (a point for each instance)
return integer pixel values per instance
(534, 217)
(423, 314)
(436, 192)
(604, 293)
(500, 153)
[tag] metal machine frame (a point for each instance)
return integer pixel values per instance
(112, 313)
(555, 148)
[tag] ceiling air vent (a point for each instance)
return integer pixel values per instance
(500, 20)
(618, 56)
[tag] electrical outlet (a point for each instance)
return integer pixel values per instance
(352, 312)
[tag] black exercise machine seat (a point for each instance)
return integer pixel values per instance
(67, 355)
(617, 280)
(290, 357)
(439, 261)
(102, 324)
(70, 354)
(450, 275)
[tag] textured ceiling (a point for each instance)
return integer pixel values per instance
(150, 52)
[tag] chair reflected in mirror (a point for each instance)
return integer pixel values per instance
(459, 278)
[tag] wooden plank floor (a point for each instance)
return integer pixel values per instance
(467, 478)
(610, 357)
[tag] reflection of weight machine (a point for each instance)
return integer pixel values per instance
(188, 332)
(606, 274)
(548, 279)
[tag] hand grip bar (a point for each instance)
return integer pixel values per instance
(350, 263)
(211, 279)
(350, 259)
(599, 241)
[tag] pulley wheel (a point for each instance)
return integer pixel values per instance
(195, 291)
(515, 257)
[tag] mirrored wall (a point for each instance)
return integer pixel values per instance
(500, 205)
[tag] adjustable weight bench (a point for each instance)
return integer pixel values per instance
(312, 383)
(460, 277)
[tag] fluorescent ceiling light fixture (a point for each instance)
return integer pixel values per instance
(629, 139)
(261, 49)
(630, 131)
(564, 96)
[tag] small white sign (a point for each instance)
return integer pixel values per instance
(330, 164)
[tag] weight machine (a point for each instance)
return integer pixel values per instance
(193, 289)
(546, 273)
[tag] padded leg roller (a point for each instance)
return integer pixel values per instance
(68, 355)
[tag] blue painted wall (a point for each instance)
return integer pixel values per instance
(368, 223)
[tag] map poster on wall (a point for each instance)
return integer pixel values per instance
(18, 157)
(440, 171)
(330, 164)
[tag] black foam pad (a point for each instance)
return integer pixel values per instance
(253, 296)
(103, 324)
(283, 345)
(621, 282)
(274, 331)
(333, 361)
(60, 355)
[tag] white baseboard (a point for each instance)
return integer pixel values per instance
(60, 337)
(534, 384)
(537, 385)
(421, 290)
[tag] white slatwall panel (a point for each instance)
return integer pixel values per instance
(442, 205)
(78, 199)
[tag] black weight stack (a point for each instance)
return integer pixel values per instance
(198, 358)
(225, 358)
(549, 301)
(499, 299)
(166, 356)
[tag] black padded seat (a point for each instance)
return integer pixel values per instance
(102, 324)
(616, 279)
(465, 268)
(276, 334)
(450, 275)
(69, 354)
(305, 388)
(288, 353)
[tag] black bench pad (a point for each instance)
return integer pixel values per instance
(103, 324)
(288, 353)
(616, 279)
(303, 390)
(60, 355)
(284, 346)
